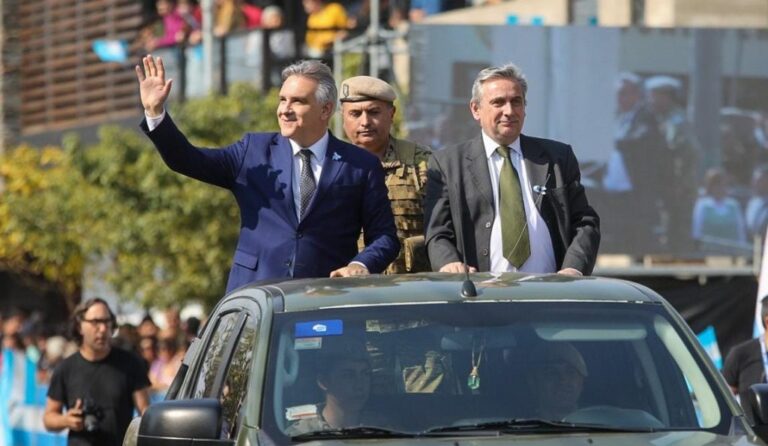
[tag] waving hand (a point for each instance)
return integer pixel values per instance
(153, 87)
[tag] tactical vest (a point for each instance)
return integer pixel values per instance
(405, 177)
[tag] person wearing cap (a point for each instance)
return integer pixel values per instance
(344, 377)
(368, 109)
(504, 201)
(630, 184)
(556, 376)
(664, 99)
(304, 196)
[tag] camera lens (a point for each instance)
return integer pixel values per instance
(91, 423)
(91, 415)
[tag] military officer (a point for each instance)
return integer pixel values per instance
(367, 107)
(682, 159)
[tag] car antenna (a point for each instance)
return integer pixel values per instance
(468, 288)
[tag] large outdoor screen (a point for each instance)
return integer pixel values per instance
(669, 125)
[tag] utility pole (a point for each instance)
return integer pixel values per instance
(374, 39)
(207, 11)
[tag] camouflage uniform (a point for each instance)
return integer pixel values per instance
(405, 167)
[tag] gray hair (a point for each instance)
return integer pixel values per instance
(509, 71)
(318, 71)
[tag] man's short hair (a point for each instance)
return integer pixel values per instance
(319, 72)
(509, 71)
(79, 315)
(763, 309)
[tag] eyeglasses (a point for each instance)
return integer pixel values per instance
(96, 322)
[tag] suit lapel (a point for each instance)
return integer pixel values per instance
(282, 161)
(477, 164)
(536, 165)
(331, 168)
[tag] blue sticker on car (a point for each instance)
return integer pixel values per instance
(333, 327)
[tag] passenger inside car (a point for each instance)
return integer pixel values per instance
(557, 372)
(343, 375)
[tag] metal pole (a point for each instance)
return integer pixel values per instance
(337, 74)
(373, 40)
(706, 94)
(207, 11)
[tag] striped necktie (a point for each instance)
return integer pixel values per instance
(307, 184)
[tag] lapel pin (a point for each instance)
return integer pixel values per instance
(336, 156)
(540, 189)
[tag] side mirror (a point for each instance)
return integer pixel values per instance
(182, 422)
(757, 409)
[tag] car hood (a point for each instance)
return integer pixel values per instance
(597, 439)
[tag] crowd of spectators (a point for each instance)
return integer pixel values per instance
(173, 22)
(46, 345)
(731, 209)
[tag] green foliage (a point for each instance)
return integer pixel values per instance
(39, 229)
(169, 238)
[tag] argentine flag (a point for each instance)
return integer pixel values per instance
(22, 404)
(762, 289)
(708, 340)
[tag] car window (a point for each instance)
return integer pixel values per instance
(236, 380)
(624, 366)
(214, 356)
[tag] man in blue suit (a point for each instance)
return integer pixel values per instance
(303, 195)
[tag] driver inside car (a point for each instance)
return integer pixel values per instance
(344, 377)
(556, 376)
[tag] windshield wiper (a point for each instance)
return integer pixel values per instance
(531, 425)
(352, 432)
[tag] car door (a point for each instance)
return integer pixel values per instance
(222, 366)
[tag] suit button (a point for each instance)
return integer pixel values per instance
(299, 235)
(485, 252)
(487, 224)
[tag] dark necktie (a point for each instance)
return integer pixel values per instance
(307, 182)
(514, 231)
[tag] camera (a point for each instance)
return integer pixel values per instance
(92, 415)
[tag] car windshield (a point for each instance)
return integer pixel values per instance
(438, 369)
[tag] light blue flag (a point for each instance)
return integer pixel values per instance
(22, 404)
(111, 50)
(708, 340)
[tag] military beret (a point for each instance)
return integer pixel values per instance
(659, 82)
(366, 88)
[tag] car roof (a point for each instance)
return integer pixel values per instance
(311, 294)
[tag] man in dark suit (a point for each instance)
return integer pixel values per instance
(304, 195)
(506, 201)
(636, 174)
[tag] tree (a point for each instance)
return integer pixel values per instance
(39, 214)
(168, 238)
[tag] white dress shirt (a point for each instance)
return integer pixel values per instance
(318, 150)
(542, 259)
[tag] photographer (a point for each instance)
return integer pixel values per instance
(93, 392)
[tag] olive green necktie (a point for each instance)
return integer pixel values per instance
(514, 230)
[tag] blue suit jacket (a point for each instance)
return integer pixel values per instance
(273, 243)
